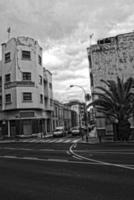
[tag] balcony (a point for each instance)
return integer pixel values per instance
(19, 84)
(49, 108)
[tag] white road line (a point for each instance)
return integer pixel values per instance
(98, 161)
(67, 141)
(63, 140)
(75, 141)
(8, 156)
(49, 160)
(48, 141)
(51, 141)
(59, 140)
(68, 152)
(57, 160)
(76, 157)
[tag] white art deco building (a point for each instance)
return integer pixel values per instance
(26, 98)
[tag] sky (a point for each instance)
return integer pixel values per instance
(63, 29)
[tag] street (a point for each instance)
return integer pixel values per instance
(52, 171)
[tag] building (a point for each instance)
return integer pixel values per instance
(109, 58)
(79, 115)
(26, 97)
(61, 115)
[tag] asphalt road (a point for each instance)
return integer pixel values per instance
(48, 171)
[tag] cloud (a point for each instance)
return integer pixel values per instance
(62, 29)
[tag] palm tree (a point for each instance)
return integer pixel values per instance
(116, 102)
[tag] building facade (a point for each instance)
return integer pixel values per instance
(26, 97)
(79, 115)
(109, 58)
(61, 115)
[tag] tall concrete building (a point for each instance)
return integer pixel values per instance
(109, 58)
(26, 98)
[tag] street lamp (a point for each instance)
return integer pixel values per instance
(86, 113)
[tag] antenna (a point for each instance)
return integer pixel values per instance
(90, 38)
(8, 32)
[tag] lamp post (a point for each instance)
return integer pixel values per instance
(86, 113)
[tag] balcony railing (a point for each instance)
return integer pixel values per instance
(19, 84)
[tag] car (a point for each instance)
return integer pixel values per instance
(59, 131)
(75, 130)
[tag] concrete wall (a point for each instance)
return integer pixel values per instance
(109, 58)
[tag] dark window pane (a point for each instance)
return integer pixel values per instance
(41, 98)
(26, 76)
(7, 57)
(40, 80)
(8, 98)
(27, 96)
(7, 78)
(0, 100)
(26, 55)
(40, 60)
(0, 81)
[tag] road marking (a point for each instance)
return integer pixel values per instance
(9, 156)
(76, 157)
(28, 149)
(68, 152)
(104, 152)
(59, 140)
(57, 160)
(48, 160)
(66, 141)
(98, 161)
(75, 141)
(50, 140)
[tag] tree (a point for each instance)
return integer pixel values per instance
(116, 102)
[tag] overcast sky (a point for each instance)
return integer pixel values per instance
(62, 28)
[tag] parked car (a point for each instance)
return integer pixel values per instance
(75, 130)
(59, 131)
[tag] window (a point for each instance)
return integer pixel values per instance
(27, 96)
(40, 79)
(91, 79)
(39, 60)
(26, 55)
(51, 102)
(0, 81)
(7, 78)
(41, 98)
(50, 85)
(7, 57)
(8, 98)
(0, 100)
(26, 76)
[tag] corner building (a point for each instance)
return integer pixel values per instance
(109, 58)
(26, 98)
